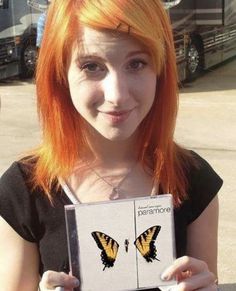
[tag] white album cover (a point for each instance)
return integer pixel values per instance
(121, 245)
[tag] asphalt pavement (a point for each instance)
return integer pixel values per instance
(206, 123)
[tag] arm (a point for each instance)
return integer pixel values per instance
(202, 236)
(198, 270)
(19, 261)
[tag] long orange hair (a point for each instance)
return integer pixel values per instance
(63, 139)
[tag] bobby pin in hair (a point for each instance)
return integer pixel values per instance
(120, 24)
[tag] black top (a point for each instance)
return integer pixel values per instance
(32, 216)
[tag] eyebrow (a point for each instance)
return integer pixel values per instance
(90, 56)
(137, 53)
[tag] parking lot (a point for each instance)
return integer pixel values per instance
(206, 124)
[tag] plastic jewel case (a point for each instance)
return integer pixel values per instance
(122, 244)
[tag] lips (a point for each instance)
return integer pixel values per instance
(116, 117)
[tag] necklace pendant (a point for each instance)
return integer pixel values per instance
(114, 194)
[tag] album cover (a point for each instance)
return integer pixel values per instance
(122, 244)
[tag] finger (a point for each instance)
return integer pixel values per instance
(197, 282)
(184, 264)
(183, 275)
(51, 280)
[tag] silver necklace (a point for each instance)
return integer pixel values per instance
(115, 194)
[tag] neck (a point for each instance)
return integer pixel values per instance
(112, 153)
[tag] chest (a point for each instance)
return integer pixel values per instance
(96, 188)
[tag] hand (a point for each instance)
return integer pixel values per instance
(191, 274)
(50, 280)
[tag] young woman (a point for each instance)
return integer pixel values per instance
(107, 97)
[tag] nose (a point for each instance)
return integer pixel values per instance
(115, 88)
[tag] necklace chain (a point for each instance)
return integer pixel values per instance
(115, 189)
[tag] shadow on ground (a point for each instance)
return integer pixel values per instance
(16, 81)
(228, 287)
(218, 78)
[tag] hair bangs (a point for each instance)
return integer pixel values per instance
(136, 18)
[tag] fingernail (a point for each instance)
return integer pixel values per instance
(76, 282)
(165, 276)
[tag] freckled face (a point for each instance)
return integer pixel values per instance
(112, 82)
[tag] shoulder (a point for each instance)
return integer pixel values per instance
(17, 205)
(25, 207)
(202, 175)
(17, 175)
(11, 178)
(204, 184)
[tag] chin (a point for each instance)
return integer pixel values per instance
(118, 136)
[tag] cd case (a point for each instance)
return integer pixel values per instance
(122, 244)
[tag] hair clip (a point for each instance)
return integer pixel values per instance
(129, 27)
(120, 24)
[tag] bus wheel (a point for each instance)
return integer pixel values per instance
(194, 60)
(28, 58)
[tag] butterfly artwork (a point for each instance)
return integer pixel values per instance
(145, 244)
(108, 246)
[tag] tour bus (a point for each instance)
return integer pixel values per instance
(204, 32)
(18, 22)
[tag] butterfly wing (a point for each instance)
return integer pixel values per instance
(108, 246)
(145, 243)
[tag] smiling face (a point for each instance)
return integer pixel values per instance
(112, 82)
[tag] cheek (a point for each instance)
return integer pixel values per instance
(151, 90)
(146, 90)
(75, 95)
(80, 91)
(83, 95)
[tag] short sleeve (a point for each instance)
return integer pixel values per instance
(204, 186)
(17, 204)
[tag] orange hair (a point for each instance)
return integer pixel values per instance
(63, 135)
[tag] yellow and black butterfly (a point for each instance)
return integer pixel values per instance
(145, 243)
(108, 246)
